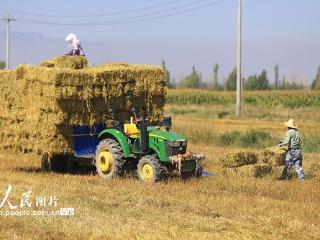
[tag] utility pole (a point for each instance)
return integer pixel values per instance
(8, 19)
(238, 103)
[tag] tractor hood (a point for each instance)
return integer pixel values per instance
(166, 135)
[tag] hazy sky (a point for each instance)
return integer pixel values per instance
(274, 31)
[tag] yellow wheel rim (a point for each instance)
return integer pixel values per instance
(147, 172)
(105, 161)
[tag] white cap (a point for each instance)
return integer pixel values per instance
(71, 37)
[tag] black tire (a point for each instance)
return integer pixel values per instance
(113, 147)
(160, 172)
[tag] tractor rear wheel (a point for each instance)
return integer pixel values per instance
(109, 159)
(150, 169)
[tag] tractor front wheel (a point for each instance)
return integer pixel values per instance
(150, 169)
(109, 159)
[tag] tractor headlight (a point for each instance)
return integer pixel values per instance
(184, 143)
(174, 144)
(178, 143)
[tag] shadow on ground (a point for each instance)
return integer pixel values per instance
(79, 170)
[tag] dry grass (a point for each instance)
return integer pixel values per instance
(220, 207)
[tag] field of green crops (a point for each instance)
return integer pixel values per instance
(288, 99)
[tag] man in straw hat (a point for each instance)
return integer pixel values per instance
(294, 154)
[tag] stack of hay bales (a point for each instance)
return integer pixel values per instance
(245, 164)
(42, 104)
(254, 163)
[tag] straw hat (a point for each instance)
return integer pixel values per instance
(291, 123)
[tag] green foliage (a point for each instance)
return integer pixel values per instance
(291, 85)
(191, 81)
(2, 64)
(311, 143)
(255, 82)
(228, 138)
(214, 83)
(167, 75)
(316, 81)
(276, 76)
(254, 138)
(222, 114)
(249, 139)
(289, 99)
(215, 74)
(231, 83)
(251, 83)
(263, 81)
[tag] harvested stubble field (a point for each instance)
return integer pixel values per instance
(225, 206)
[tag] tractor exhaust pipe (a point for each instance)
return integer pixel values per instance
(144, 136)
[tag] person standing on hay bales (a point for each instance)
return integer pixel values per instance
(294, 153)
(74, 43)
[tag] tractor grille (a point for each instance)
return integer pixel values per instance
(171, 151)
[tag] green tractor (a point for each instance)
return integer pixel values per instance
(154, 151)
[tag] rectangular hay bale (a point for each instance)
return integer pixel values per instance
(237, 159)
(273, 155)
(257, 170)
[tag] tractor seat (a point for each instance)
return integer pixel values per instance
(131, 129)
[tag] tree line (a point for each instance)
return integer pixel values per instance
(253, 82)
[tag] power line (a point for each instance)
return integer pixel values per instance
(165, 15)
(140, 18)
(99, 14)
(130, 18)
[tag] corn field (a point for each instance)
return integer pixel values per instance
(288, 99)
